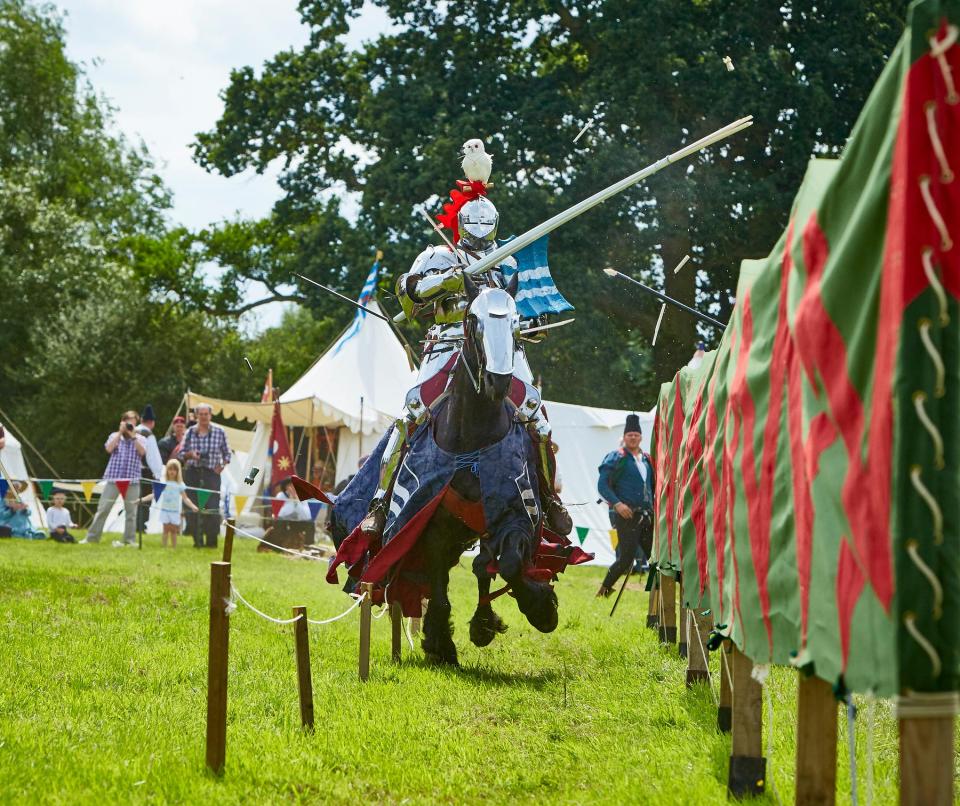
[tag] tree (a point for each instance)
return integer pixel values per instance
(378, 130)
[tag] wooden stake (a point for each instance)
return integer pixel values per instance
(396, 633)
(414, 626)
(682, 643)
(668, 609)
(748, 767)
(816, 742)
(653, 612)
(301, 641)
(725, 710)
(366, 607)
(698, 656)
(927, 748)
(228, 541)
(217, 667)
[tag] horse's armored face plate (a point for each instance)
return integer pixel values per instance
(497, 321)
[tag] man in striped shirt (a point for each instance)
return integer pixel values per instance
(206, 453)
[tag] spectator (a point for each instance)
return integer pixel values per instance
(171, 502)
(626, 483)
(15, 514)
(172, 443)
(206, 451)
(293, 508)
(59, 520)
(126, 448)
(151, 466)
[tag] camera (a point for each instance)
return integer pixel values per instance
(129, 426)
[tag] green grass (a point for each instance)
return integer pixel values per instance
(103, 699)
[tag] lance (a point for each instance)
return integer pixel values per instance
(668, 300)
(345, 299)
(499, 255)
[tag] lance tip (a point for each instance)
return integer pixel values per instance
(611, 272)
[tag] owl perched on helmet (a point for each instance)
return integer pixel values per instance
(477, 163)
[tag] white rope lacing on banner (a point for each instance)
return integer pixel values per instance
(912, 550)
(910, 622)
(946, 173)
(928, 269)
(355, 604)
(946, 243)
(938, 50)
(919, 398)
(703, 653)
(237, 595)
(927, 705)
(931, 502)
(934, 353)
(406, 632)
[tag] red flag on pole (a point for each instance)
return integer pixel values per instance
(281, 464)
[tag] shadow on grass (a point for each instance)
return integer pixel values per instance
(535, 681)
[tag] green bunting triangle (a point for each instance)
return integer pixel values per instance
(202, 497)
(46, 487)
(582, 533)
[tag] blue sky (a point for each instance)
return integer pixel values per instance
(162, 66)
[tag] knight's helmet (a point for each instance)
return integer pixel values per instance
(478, 220)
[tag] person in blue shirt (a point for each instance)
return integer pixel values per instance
(626, 483)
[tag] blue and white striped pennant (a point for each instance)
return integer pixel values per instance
(537, 293)
(366, 295)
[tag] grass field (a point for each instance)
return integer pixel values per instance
(103, 701)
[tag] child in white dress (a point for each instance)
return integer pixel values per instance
(171, 502)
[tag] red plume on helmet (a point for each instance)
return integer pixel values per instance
(460, 195)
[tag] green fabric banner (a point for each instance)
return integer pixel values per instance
(807, 470)
(46, 487)
(202, 498)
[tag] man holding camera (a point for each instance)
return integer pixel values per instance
(626, 484)
(126, 448)
(206, 452)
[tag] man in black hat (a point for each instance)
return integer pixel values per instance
(626, 483)
(152, 464)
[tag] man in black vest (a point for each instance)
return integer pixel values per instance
(626, 483)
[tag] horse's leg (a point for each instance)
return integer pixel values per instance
(536, 601)
(438, 643)
(485, 623)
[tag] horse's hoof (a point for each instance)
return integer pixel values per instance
(484, 627)
(440, 653)
(539, 604)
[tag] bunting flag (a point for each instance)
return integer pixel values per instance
(202, 497)
(276, 504)
(4, 486)
(315, 507)
(87, 487)
(158, 488)
(807, 469)
(614, 539)
(278, 449)
(582, 533)
(537, 293)
(122, 485)
(366, 296)
(46, 487)
(239, 501)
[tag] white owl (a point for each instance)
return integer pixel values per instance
(477, 163)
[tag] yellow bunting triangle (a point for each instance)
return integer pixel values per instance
(87, 489)
(240, 501)
(613, 538)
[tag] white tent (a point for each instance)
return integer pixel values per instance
(13, 467)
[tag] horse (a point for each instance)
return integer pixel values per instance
(476, 416)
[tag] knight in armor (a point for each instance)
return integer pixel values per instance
(433, 289)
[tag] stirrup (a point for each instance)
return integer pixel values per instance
(376, 519)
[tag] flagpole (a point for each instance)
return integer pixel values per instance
(360, 435)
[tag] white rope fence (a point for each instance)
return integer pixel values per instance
(237, 596)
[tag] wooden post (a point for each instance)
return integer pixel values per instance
(926, 725)
(228, 541)
(396, 632)
(414, 626)
(653, 612)
(217, 667)
(816, 775)
(301, 641)
(366, 607)
(698, 656)
(682, 643)
(725, 710)
(748, 767)
(668, 609)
